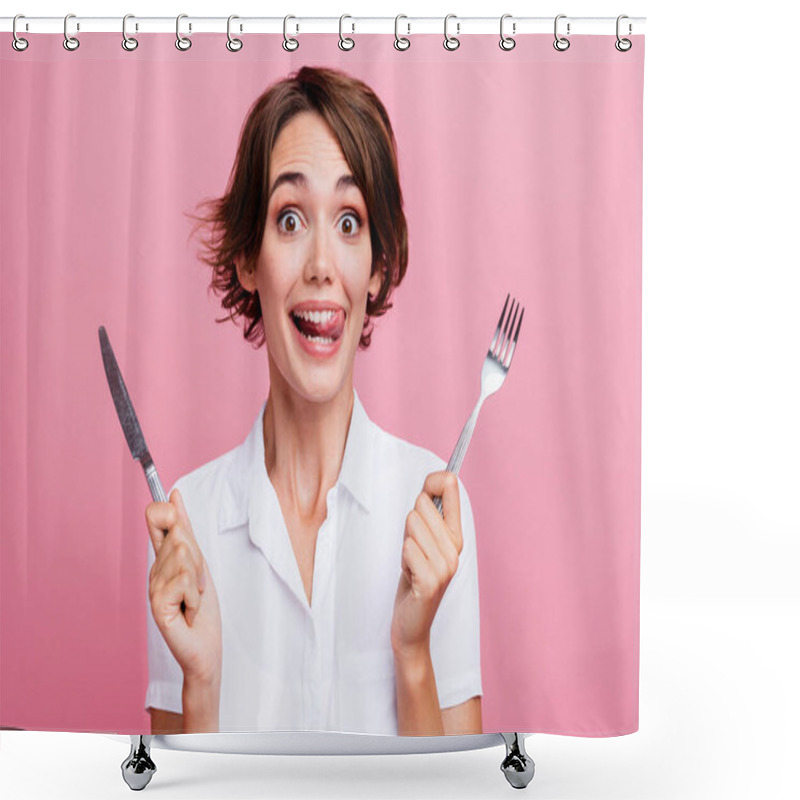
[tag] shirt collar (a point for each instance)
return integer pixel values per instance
(357, 471)
(355, 474)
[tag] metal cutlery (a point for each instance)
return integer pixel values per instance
(493, 373)
(128, 420)
(130, 424)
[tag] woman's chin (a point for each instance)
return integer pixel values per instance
(317, 372)
(322, 379)
(319, 393)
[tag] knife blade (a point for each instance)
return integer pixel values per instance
(127, 418)
(130, 424)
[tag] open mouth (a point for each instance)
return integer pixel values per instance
(319, 327)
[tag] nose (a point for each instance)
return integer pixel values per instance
(321, 261)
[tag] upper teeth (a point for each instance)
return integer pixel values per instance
(315, 316)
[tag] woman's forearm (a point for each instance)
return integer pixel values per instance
(200, 706)
(418, 712)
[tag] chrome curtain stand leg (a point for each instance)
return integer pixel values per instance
(138, 768)
(517, 766)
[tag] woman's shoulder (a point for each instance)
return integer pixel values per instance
(202, 484)
(205, 482)
(392, 449)
(396, 457)
(402, 467)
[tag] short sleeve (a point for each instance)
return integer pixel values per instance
(165, 677)
(455, 632)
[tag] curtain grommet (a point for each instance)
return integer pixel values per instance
(401, 42)
(17, 42)
(561, 43)
(233, 44)
(183, 43)
(451, 43)
(623, 45)
(507, 42)
(71, 43)
(129, 43)
(345, 42)
(290, 44)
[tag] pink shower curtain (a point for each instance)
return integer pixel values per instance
(521, 173)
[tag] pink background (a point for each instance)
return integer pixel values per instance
(521, 173)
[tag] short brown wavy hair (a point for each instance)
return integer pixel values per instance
(235, 222)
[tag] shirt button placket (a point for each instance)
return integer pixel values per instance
(322, 577)
(308, 679)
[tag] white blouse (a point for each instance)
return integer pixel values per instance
(328, 666)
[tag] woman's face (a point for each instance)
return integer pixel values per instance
(313, 270)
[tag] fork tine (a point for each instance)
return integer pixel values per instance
(507, 362)
(507, 333)
(499, 325)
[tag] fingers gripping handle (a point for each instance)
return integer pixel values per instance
(159, 496)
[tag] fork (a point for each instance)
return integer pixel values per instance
(493, 373)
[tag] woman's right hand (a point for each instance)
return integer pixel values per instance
(180, 575)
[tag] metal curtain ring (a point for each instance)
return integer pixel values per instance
(451, 42)
(623, 45)
(561, 43)
(182, 42)
(290, 44)
(128, 42)
(345, 42)
(17, 42)
(506, 42)
(400, 42)
(233, 44)
(70, 42)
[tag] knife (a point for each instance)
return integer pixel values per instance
(130, 425)
(127, 418)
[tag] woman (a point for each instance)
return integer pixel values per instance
(308, 556)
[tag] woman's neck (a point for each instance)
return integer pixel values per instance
(304, 445)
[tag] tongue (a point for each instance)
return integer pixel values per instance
(332, 329)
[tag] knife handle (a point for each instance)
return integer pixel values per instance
(154, 482)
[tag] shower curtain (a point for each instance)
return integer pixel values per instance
(314, 569)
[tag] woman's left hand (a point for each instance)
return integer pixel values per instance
(431, 549)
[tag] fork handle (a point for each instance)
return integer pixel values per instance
(460, 451)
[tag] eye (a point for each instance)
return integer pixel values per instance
(350, 224)
(289, 221)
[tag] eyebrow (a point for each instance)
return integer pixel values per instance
(299, 180)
